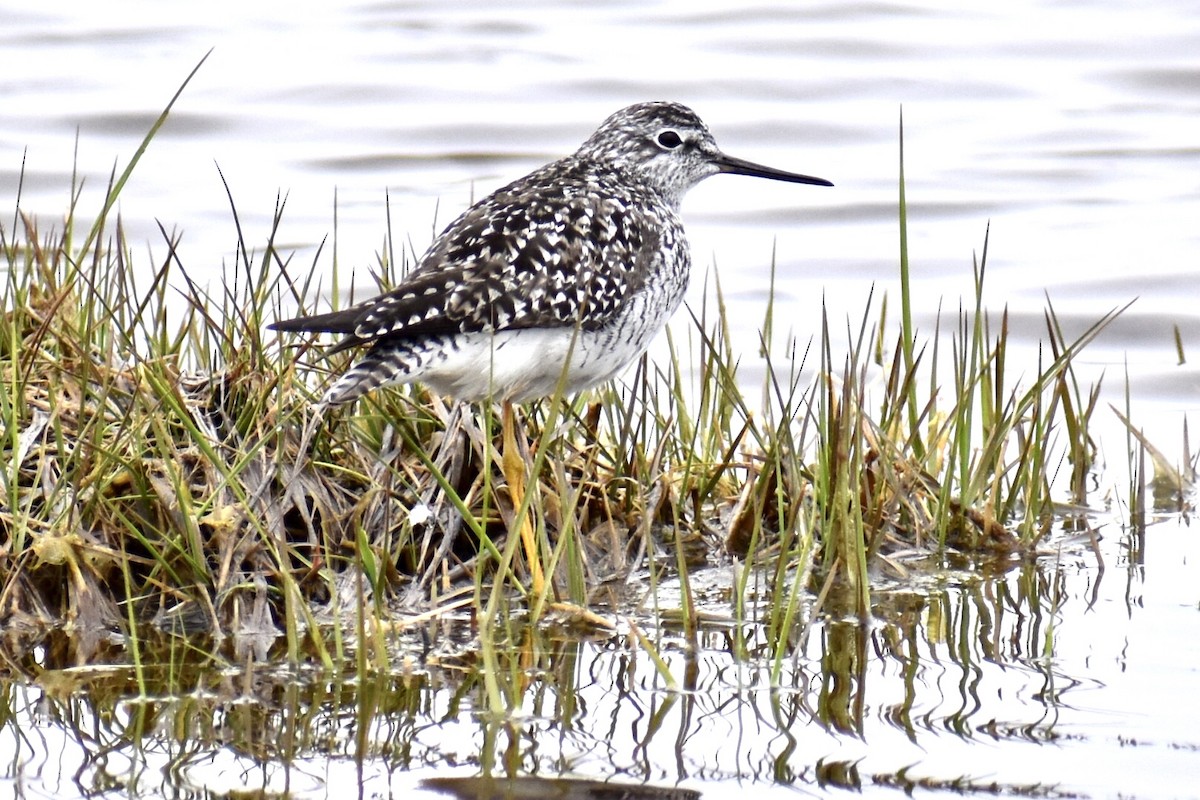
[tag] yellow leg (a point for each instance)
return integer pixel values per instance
(514, 472)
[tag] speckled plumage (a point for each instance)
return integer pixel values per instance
(584, 258)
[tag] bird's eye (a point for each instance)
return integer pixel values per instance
(669, 139)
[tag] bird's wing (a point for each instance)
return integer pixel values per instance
(512, 261)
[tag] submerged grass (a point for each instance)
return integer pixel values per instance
(162, 465)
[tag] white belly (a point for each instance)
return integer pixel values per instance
(529, 364)
(517, 365)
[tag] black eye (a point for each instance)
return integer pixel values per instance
(669, 139)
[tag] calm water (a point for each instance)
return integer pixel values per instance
(1073, 127)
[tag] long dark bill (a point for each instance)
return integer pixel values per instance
(739, 166)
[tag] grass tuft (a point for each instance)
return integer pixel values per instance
(163, 465)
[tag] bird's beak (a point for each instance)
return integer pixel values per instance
(739, 166)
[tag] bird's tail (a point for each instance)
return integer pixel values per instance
(344, 321)
(386, 362)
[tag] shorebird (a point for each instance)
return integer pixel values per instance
(556, 281)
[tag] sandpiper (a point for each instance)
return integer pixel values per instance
(564, 275)
(556, 281)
